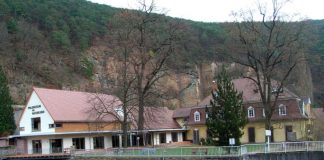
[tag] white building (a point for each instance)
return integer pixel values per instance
(54, 121)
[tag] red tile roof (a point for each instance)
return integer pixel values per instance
(319, 113)
(71, 106)
(250, 98)
(249, 90)
(181, 112)
(74, 106)
(156, 118)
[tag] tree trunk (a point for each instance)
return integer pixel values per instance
(140, 123)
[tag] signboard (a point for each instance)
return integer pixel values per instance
(36, 107)
(232, 141)
(268, 132)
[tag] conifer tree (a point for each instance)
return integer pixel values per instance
(226, 116)
(7, 122)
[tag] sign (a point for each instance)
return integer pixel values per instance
(232, 141)
(268, 132)
(33, 107)
(36, 107)
(38, 112)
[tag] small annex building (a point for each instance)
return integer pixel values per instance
(54, 121)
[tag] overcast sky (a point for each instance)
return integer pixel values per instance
(220, 10)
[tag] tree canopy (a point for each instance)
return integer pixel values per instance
(7, 122)
(226, 116)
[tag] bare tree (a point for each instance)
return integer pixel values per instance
(154, 45)
(141, 43)
(272, 48)
(150, 43)
(117, 78)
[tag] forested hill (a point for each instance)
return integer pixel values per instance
(52, 44)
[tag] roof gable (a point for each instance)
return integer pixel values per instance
(70, 106)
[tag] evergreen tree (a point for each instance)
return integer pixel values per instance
(7, 122)
(226, 116)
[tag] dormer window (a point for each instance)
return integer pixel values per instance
(251, 112)
(197, 116)
(120, 112)
(282, 110)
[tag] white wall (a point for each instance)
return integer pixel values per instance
(180, 138)
(67, 142)
(45, 117)
(168, 137)
(156, 138)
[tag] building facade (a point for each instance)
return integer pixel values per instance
(56, 121)
(291, 120)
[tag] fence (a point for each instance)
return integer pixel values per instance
(199, 151)
(231, 151)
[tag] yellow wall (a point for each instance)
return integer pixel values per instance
(202, 131)
(299, 126)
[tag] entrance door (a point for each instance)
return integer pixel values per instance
(288, 129)
(251, 134)
(162, 138)
(37, 146)
(196, 136)
(115, 141)
(174, 136)
(56, 145)
(184, 136)
(149, 138)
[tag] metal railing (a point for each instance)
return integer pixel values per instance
(199, 151)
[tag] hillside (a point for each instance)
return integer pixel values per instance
(57, 44)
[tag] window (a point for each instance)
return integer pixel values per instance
(55, 125)
(197, 116)
(78, 143)
(98, 142)
(56, 145)
(51, 126)
(120, 112)
(174, 136)
(282, 110)
(36, 124)
(251, 113)
(21, 128)
(115, 141)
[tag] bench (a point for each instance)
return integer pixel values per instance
(199, 151)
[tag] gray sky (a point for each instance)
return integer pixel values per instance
(220, 10)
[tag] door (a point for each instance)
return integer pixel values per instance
(196, 136)
(56, 145)
(37, 146)
(251, 134)
(162, 138)
(174, 136)
(288, 130)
